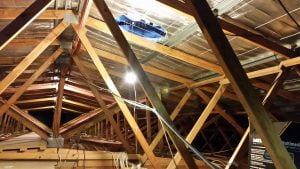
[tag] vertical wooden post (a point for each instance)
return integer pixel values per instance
(148, 122)
(58, 103)
(240, 83)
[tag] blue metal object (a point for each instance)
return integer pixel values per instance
(142, 27)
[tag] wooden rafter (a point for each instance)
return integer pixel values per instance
(32, 56)
(240, 83)
(13, 13)
(22, 21)
(221, 111)
(243, 34)
(85, 121)
(200, 122)
(277, 83)
(173, 115)
(102, 104)
(101, 26)
(29, 81)
(28, 121)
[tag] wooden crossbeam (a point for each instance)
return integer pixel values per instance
(221, 111)
(22, 21)
(29, 81)
(52, 99)
(108, 114)
(68, 87)
(237, 149)
(251, 75)
(200, 122)
(185, 57)
(277, 83)
(85, 121)
(59, 100)
(173, 115)
(28, 121)
(32, 56)
(110, 84)
(13, 13)
(150, 69)
(243, 34)
(240, 83)
(144, 81)
(276, 87)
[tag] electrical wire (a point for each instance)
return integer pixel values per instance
(145, 107)
(288, 13)
(169, 146)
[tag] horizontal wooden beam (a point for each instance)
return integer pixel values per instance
(176, 54)
(150, 69)
(251, 75)
(52, 99)
(243, 34)
(13, 13)
(68, 87)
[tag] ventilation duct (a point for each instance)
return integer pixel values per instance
(142, 27)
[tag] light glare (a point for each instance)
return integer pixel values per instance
(130, 78)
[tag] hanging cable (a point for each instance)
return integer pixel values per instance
(169, 146)
(288, 13)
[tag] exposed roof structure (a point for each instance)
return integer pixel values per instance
(63, 64)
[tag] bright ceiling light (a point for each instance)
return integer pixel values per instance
(130, 78)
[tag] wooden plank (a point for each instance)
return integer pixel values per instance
(144, 81)
(276, 86)
(68, 87)
(28, 121)
(222, 112)
(251, 75)
(22, 21)
(243, 34)
(110, 84)
(29, 81)
(24, 142)
(200, 122)
(176, 54)
(101, 102)
(240, 83)
(237, 149)
(13, 13)
(32, 56)
(84, 122)
(277, 83)
(173, 115)
(150, 69)
(59, 100)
